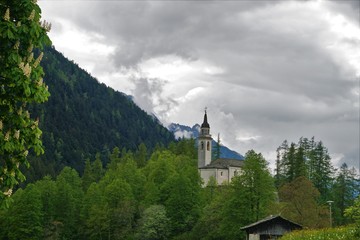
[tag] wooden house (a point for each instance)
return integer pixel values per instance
(272, 227)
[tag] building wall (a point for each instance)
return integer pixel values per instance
(222, 176)
(206, 174)
(234, 171)
(254, 237)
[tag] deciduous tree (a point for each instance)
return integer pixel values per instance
(21, 83)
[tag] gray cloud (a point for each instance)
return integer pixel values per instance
(285, 71)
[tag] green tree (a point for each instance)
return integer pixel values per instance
(217, 148)
(321, 171)
(120, 208)
(154, 224)
(290, 163)
(281, 161)
(141, 155)
(69, 196)
(300, 198)
(97, 168)
(300, 161)
(182, 203)
(20, 83)
(344, 191)
(353, 213)
(47, 191)
(307, 158)
(88, 176)
(25, 216)
(210, 222)
(250, 197)
(114, 158)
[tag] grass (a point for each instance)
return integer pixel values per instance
(343, 233)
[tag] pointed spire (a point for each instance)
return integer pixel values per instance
(205, 124)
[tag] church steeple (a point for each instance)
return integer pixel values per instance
(204, 144)
(205, 124)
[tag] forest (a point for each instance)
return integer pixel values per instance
(83, 117)
(139, 195)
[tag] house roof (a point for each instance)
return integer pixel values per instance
(268, 219)
(224, 163)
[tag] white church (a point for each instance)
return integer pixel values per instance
(222, 169)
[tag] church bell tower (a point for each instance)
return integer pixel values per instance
(204, 144)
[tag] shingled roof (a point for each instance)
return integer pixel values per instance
(269, 219)
(224, 163)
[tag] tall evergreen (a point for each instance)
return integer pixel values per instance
(343, 192)
(322, 171)
(309, 159)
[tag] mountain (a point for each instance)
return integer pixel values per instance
(83, 117)
(181, 131)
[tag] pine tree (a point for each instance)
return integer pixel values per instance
(88, 176)
(141, 155)
(290, 163)
(322, 171)
(97, 168)
(344, 191)
(217, 148)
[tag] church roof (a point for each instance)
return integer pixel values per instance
(205, 124)
(224, 163)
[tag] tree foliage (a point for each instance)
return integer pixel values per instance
(309, 159)
(21, 83)
(300, 198)
(161, 200)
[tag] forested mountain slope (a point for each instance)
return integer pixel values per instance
(83, 117)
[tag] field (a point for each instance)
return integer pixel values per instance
(343, 233)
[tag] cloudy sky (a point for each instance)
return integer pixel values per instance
(266, 70)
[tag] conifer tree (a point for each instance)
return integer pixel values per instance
(343, 192)
(322, 171)
(141, 155)
(87, 177)
(217, 149)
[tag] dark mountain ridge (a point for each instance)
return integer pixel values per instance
(83, 117)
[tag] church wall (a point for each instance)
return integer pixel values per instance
(234, 171)
(222, 176)
(206, 174)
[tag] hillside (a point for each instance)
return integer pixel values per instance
(83, 117)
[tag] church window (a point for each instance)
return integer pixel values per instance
(208, 146)
(221, 173)
(235, 173)
(202, 145)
